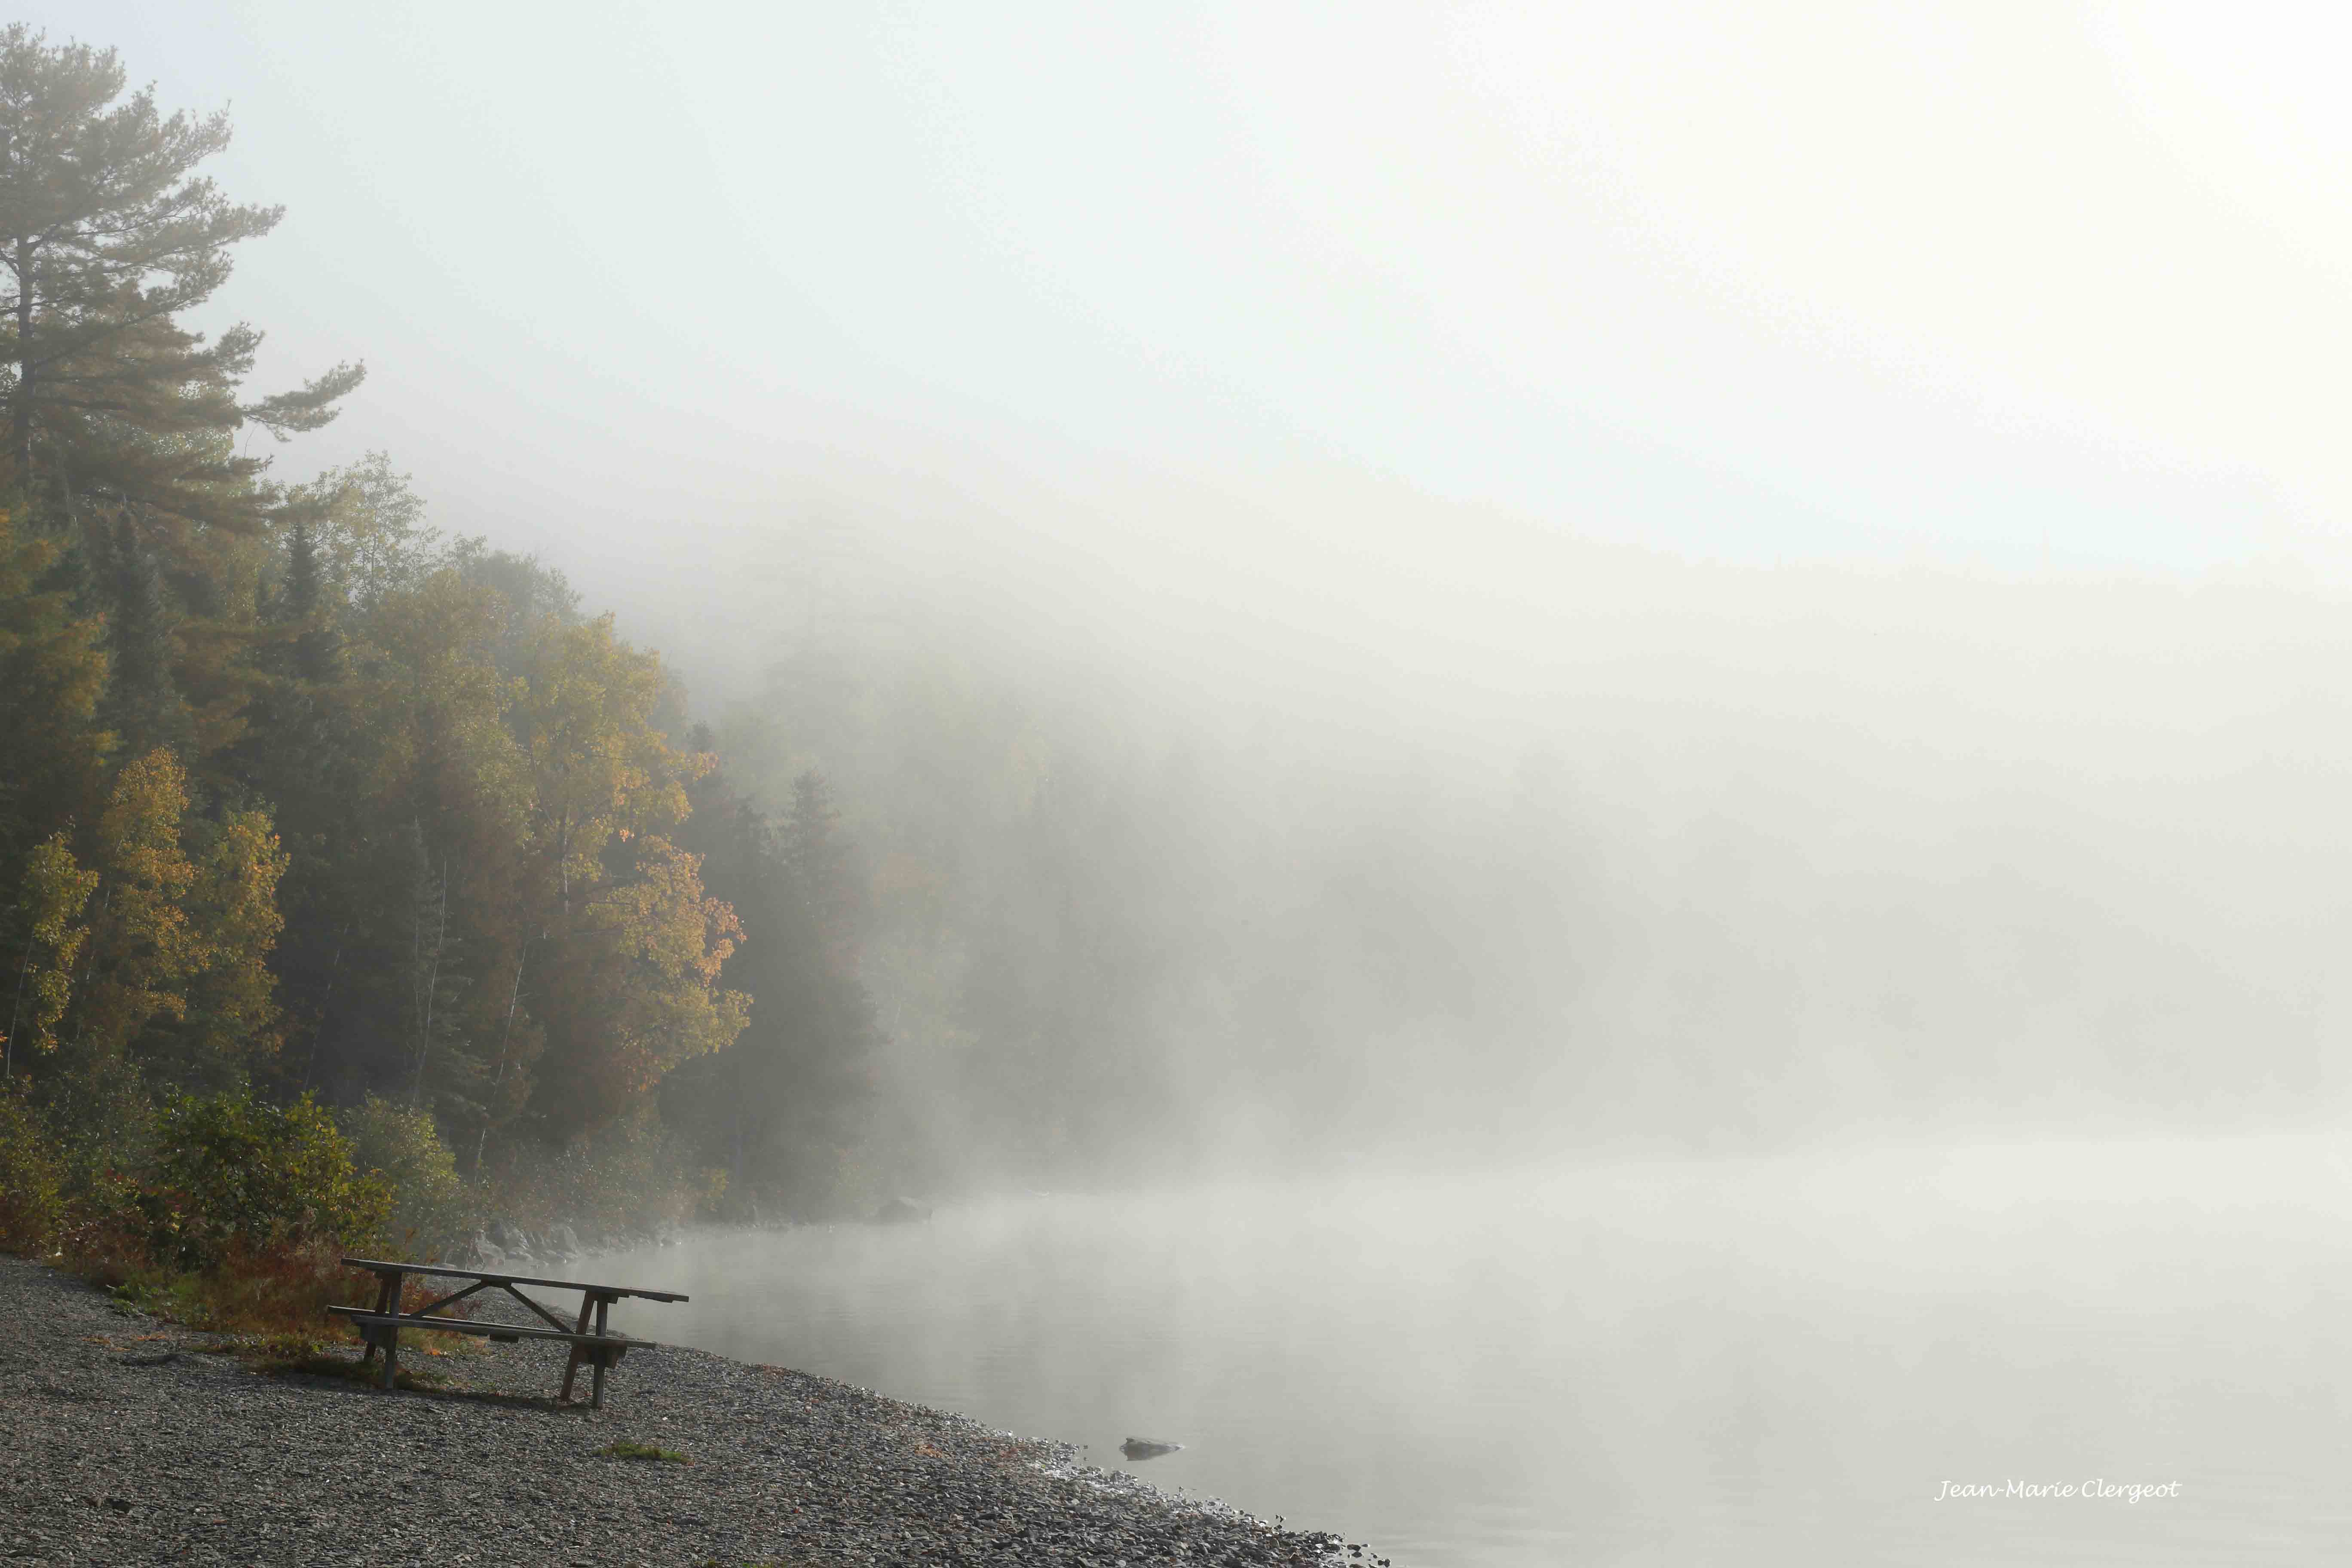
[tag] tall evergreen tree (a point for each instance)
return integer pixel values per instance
(316, 647)
(143, 703)
(53, 669)
(107, 236)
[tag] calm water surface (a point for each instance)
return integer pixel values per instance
(1736, 1363)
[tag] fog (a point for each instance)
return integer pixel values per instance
(1802, 625)
(1715, 854)
(1467, 602)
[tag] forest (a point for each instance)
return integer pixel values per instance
(304, 805)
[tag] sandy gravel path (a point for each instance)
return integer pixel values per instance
(124, 1441)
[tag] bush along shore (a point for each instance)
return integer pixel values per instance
(229, 1212)
(127, 1440)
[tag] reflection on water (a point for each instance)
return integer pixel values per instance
(1752, 1362)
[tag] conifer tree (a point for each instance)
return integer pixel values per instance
(316, 653)
(107, 236)
(53, 669)
(142, 701)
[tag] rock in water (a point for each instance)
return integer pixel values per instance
(1145, 1449)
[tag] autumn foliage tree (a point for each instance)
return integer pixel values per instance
(177, 969)
(56, 891)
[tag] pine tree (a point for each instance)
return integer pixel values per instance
(108, 236)
(316, 654)
(142, 701)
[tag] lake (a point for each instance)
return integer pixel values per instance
(1736, 1362)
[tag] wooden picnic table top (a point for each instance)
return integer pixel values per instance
(610, 1292)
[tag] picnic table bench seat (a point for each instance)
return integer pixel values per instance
(367, 1318)
(598, 1348)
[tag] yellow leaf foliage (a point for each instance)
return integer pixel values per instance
(56, 891)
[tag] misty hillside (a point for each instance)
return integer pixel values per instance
(1698, 854)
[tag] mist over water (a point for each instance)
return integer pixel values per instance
(1778, 1359)
(1698, 856)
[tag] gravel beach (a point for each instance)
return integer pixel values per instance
(128, 1441)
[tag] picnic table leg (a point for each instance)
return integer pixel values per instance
(604, 1358)
(385, 1302)
(391, 1296)
(572, 1366)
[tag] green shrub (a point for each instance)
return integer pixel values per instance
(235, 1169)
(32, 1178)
(102, 1113)
(403, 1148)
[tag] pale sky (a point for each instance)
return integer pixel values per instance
(1991, 286)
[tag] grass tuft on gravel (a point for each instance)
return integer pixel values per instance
(641, 1451)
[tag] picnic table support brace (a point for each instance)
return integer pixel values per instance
(549, 1319)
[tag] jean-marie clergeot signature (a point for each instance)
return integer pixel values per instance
(2101, 1489)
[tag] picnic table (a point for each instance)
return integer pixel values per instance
(598, 1348)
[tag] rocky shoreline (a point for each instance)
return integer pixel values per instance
(506, 1247)
(127, 1441)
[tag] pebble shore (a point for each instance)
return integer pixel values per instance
(127, 1441)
